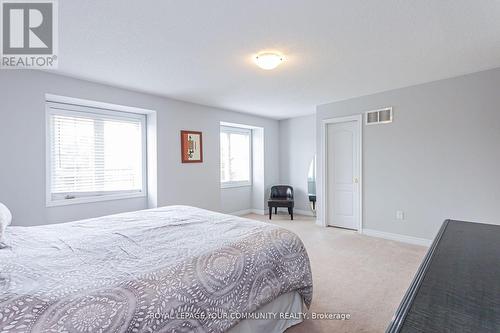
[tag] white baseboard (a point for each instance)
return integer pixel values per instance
(367, 232)
(397, 237)
(303, 212)
(241, 212)
(319, 223)
(295, 211)
(248, 211)
(265, 212)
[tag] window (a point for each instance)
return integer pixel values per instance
(94, 154)
(235, 156)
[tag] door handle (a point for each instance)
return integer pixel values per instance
(356, 180)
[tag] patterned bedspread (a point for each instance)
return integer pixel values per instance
(170, 269)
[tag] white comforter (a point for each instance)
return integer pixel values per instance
(169, 269)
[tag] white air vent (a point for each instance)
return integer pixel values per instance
(381, 116)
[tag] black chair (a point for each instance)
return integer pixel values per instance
(281, 196)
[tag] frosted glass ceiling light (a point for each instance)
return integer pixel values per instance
(269, 60)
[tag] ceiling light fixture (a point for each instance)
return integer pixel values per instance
(269, 60)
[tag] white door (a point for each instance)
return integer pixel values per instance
(342, 173)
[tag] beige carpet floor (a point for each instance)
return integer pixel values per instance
(352, 273)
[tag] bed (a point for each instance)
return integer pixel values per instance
(170, 269)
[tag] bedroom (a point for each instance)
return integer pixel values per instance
(127, 79)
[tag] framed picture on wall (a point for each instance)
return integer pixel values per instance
(191, 147)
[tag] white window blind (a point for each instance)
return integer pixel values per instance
(235, 156)
(94, 153)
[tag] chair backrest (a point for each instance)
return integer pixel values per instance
(281, 192)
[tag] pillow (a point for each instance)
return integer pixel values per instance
(5, 219)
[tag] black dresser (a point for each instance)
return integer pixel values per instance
(457, 287)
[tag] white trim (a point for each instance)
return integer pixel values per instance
(244, 183)
(75, 110)
(397, 237)
(241, 212)
(152, 159)
(259, 211)
(324, 123)
(303, 212)
(52, 106)
(248, 211)
(238, 130)
(296, 211)
(263, 212)
(109, 197)
(236, 125)
(95, 104)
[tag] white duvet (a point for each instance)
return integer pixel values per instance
(169, 269)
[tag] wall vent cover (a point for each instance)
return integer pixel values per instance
(381, 116)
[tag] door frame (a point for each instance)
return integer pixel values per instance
(359, 120)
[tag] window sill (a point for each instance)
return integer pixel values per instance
(235, 184)
(76, 201)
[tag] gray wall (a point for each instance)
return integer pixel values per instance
(439, 159)
(236, 199)
(297, 149)
(22, 148)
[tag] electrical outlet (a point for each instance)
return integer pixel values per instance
(400, 215)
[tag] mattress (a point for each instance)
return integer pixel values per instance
(285, 312)
(175, 268)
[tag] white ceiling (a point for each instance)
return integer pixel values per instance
(201, 51)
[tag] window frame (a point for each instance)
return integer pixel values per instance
(53, 106)
(238, 130)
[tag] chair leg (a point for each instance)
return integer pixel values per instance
(275, 210)
(291, 213)
(270, 212)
